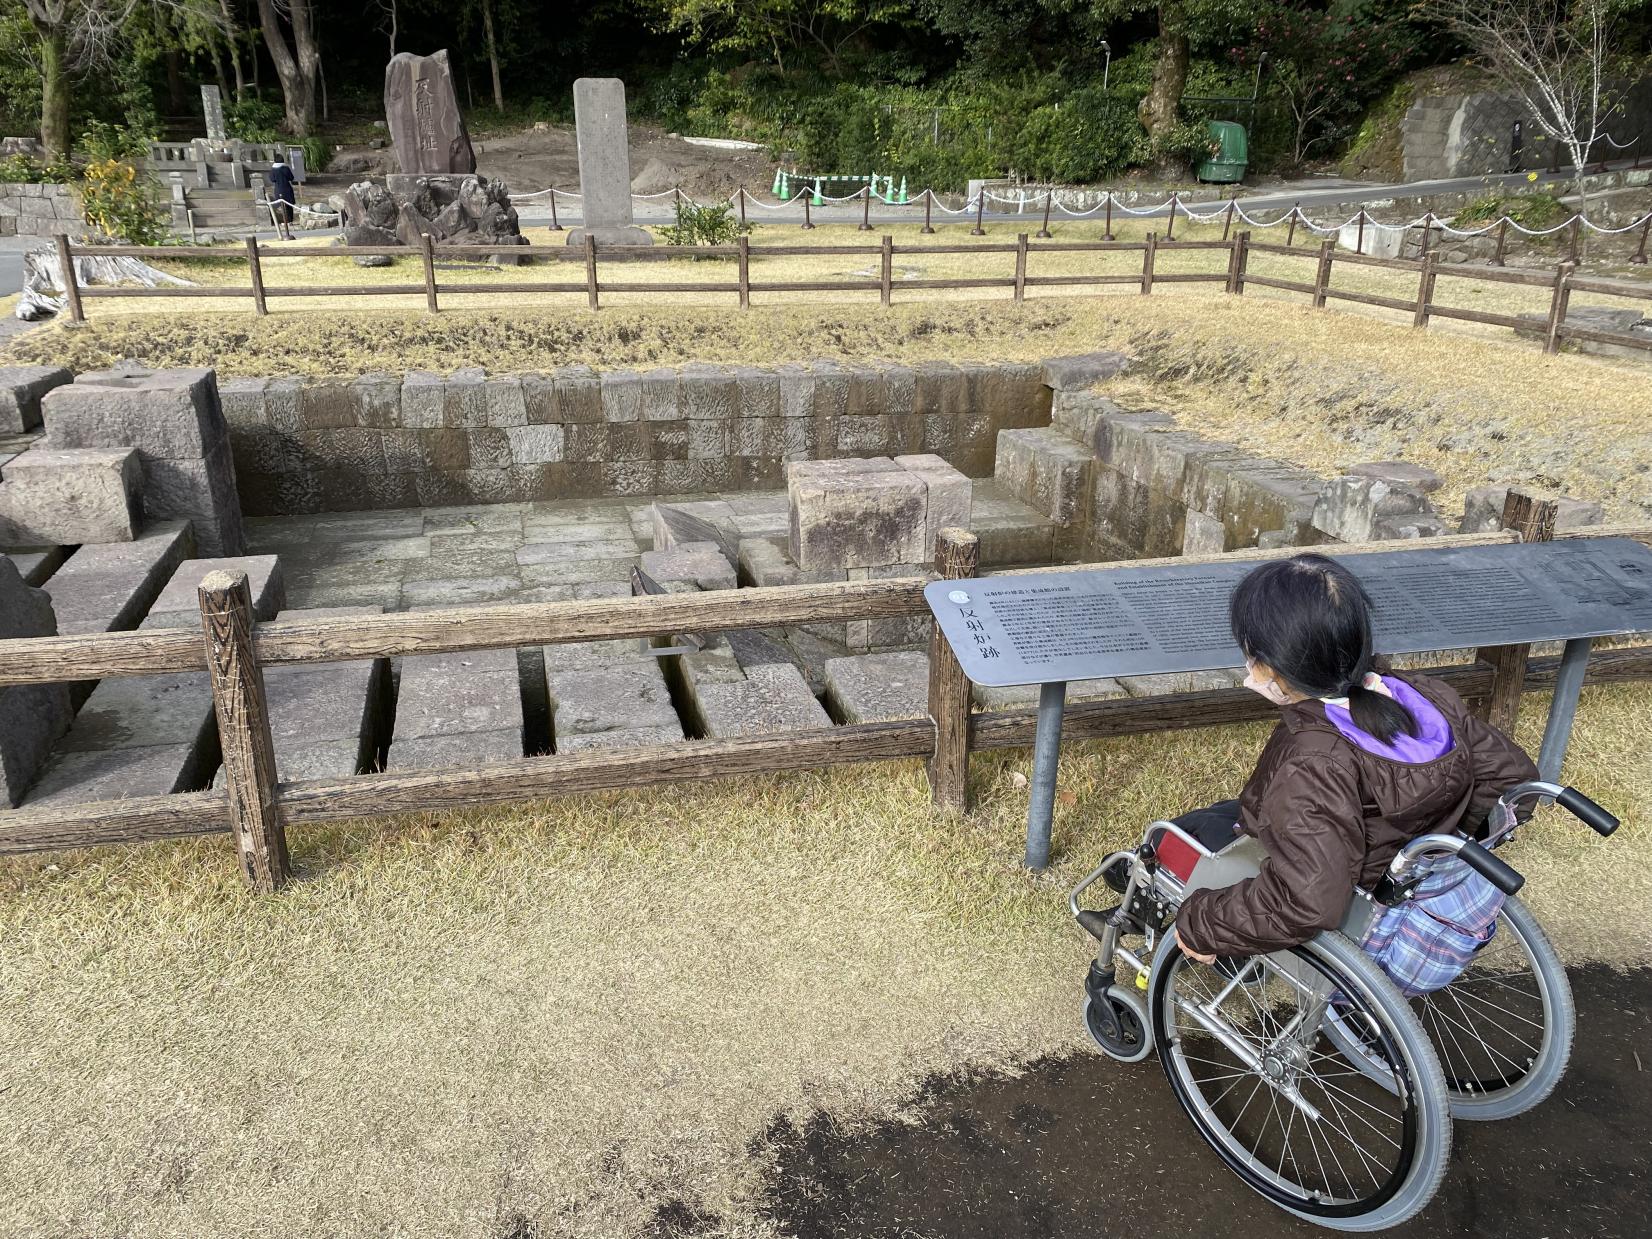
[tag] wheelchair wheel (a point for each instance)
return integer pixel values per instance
(1249, 1061)
(1120, 1032)
(1502, 1031)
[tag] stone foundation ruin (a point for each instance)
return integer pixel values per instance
(120, 490)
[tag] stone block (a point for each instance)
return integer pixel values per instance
(623, 738)
(422, 595)
(326, 719)
(1007, 393)
(1414, 525)
(329, 406)
(1267, 497)
(711, 520)
(452, 694)
(604, 165)
(1082, 370)
(32, 716)
(872, 688)
(578, 391)
(116, 774)
(1119, 514)
(506, 399)
(1350, 508)
(36, 567)
(164, 414)
(847, 518)
(1483, 511)
(602, 699)
(707, 393)
(1045, 470)
(21, 388)
(1116, 433)
(765, 561)
(939, 387)
(109, 588)
(137, 711)
(772, 698)
(759, 394)
(424, 395)
(828, 388)
(178, 604)
(1399, 473)
(1025, 696)
(378, 401)
(78, 495)
(948, 496)
(701, 564)
(1180, 682)
(1202, 535)
(455, 750)
(535, 445)
(1078, 414)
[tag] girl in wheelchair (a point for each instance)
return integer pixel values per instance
(1361, 762)
(1331, 968)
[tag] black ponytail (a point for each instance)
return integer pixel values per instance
(1309, 619)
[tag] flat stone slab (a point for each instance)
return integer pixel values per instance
(470, 748)
(623, 738)
(74, 496)
(110, 588)
(1025, 696)
(326, 718)
(699, 564)
(32, 716)
(128, 712)
(772, 698)
(1180, 682)
(179, 602)
(21, 388)
(1082, 370)
(614, 699)
(871, 688)
(1400, 473)
(115, 774)
(454, 694)
(36, 566)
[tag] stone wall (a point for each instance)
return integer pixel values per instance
(420, 439)
(38, 210)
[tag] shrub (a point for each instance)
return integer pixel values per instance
(120, 202)
(1527, 210)
(26, 169)
(252, 120)
(127, 143)
(713, 224)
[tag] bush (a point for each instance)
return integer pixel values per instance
(27, 170)
(1527, 210)
(120, 202)
(252, 120)
(713, 224)
(128, 143)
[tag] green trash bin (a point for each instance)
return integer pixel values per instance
(1228, 164)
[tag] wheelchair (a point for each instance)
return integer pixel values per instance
(1308, 1071)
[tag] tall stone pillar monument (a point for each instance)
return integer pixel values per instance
(604, 164)
(423, 114)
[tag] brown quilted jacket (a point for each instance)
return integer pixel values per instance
(1332, 816)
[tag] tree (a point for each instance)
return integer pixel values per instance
(298, 65)
(1551, 54)
(779, 26)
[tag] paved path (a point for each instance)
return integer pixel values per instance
(1085, 1148)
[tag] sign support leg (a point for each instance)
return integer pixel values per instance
(1052, 698)
(1568, 684)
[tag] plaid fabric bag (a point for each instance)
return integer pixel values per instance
(1426, 943)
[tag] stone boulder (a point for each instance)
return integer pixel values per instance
(452, 210)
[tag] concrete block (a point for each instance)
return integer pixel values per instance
(1350, 508)
(772, 698)
(21, 388)
(179, 603)
(855, 518)
(1045, 470)
(110, 588)
(74, 496)
(701, 564)
(948, 496)
(871, 688)
(1082, 370)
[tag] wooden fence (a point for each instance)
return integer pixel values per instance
(1562, 282)
(256, 811)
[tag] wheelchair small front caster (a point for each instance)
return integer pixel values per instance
(1117, 1022)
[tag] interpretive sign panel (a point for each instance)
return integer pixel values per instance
(1043, 628)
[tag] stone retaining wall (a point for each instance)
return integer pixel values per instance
(388, 441)
(39, 210)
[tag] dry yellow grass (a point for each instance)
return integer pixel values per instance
(550, 1020)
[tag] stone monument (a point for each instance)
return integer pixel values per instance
(604, 164)
(423, 114)
(212, 103)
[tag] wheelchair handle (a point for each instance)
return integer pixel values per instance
(1568, 798)
(1499, 873)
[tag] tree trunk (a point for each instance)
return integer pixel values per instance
(54, 90)
(234, 52)
(297, 76)
(1162, 104)
(493, 54)
(176, 97)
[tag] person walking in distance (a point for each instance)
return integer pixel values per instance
(283, 197)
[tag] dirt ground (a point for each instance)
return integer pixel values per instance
(1082, 1145)
(547, 155)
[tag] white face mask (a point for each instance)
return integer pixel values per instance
(1269, 689)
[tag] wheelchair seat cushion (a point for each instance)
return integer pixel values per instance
(1425, 943)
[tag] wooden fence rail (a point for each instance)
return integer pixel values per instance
(1424, 305)
(256, 811)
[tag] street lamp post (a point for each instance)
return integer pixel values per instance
(1107, 63)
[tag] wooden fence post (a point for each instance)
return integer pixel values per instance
(1021, 266)
(1558, 303)
(1147, 256)
(745, 272)
(243, 729)
(1043, 232)
(1425, 288)
(1503, 242)
(1240, 263)
(556, 224)
(257, 273)
(1322, 277)
(1290, 232)
(427, 247)
(71, 286)
(957, 557)
(591, 270)
(886, 271)
(1533, 518)
(980, 212)
(865, 210)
